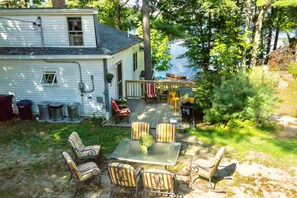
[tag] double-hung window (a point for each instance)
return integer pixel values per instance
(49, 78)
(75, 31)
(134, 61)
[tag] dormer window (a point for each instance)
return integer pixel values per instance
(75, 31)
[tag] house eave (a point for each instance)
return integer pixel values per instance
(46, 11)
(53, 57)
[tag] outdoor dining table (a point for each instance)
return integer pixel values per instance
(159, 153)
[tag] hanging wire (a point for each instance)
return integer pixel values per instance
(36, 24)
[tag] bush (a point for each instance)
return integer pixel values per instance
(243, 96)
(293, 69)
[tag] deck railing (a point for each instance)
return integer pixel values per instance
(135, 88)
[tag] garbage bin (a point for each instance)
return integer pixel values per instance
(56, 109)
(73, 111)
(5, 107)
(44, 110)
(25, 109)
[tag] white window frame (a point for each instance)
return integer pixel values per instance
(72, 34)
(54, 80)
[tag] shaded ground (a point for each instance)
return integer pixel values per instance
(27, 174)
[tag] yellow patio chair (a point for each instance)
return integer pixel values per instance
(165, 132)
(82, 172)
(124, 175)
(150, 91)
(208, 169)
(159, 181)
(138, 129)
(81, 151)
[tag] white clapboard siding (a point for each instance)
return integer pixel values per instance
(15, 33)
(22, 79)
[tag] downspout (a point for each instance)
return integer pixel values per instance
(106, 92)
(81, 84)
(41, 33)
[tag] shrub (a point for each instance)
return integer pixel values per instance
(293, 69)
(243, 96)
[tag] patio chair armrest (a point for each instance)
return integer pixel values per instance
(95, 172)
(202, 166)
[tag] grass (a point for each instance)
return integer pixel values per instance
(37, 137)
(248, 143)
(287, 99)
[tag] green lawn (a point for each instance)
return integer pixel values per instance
(244, 144)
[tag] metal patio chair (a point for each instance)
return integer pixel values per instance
(138, 129)
(81, 173)
(159, 181)
(81, 151)
(124, 175)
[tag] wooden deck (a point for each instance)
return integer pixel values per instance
(152, 112)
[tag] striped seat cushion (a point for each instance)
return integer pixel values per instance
(138, 129)
(122, 174)
(165, 132)
(88, 170)
(89, 151)
(81, 172)
(158, 180)
(76, 142)
(150, 90)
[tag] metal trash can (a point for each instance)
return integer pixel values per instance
(25, 109)
(73, 111)
(5, 107)
(56, 109)
(44, 110)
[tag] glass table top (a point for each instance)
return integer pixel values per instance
(159, 153)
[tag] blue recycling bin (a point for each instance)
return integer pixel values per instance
(25, 109)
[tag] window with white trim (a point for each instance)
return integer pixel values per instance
(75, 31)
(49, 78)
(134, 61)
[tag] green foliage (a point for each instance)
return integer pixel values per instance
(293, 69)
(146, 140)
(243, 96)
(160, 47)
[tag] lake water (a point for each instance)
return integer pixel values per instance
(179, 66)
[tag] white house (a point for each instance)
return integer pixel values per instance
(62, 55)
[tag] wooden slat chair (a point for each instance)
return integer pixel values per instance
(124, 175)
(81, 173)
(165, 132)
(159, 181)
(119, 113)
(138, 129)
(208, 169)
(81, 151)
(150, 91)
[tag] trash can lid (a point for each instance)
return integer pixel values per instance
(73, 104)
(24, 102)
(56, 105)
(4, 97)
(44, 103)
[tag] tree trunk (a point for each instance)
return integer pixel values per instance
(246, 28)
(269, 38)
(258, 28)
(276, 30)
(147, 39)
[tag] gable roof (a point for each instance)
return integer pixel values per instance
(112, 41)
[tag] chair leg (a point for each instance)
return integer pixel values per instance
(212, 186)
(78, 185)
(127, 119)
(70, 179)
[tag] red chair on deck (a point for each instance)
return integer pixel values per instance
(119, 113)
